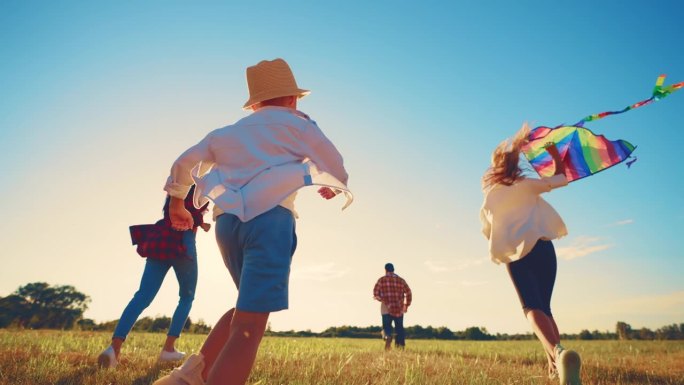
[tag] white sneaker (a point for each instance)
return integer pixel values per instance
(107, 359)
(568, 363)
(190, 373)
(557, 351)
(553, 374)
(175, 355)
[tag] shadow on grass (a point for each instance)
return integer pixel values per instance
(83, 375)
(151, 375)
(78, 377)
(631, 376)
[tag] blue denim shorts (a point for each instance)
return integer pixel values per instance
(258, 254)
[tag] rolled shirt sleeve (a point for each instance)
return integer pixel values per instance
(376, 291)
(180, 179)
(323, 153)
(486, 224)
(409, 295)
(546, 184)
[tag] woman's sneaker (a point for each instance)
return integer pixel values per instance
(165, 356)
(553, 374)
(107, 359)
(568, 363)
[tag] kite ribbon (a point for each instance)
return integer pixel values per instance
(659, 92)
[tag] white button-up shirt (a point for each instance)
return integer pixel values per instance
(515, 217)
(258, 163)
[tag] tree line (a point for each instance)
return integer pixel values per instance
(41, 306)
(412, 332)
(670, 332)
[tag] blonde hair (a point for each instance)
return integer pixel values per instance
(505, 168)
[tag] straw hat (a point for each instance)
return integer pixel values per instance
(271, 79)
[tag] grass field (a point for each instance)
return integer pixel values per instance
(68, 358)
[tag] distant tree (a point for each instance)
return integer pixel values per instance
(160, 324)
(108, 326)
(477, 334)
(416, 331)
(443, 333)
(143, 324)
(39, 305)
(646, 334)
(337, 331)
(597, 335)
(199, 327)
(152, 325)
(86, 324)
(14, 311)
(623, 330)
(586, 335)
(670, 332)
(429, 332)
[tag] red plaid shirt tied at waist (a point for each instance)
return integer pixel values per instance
(160, 240)
(392, 290)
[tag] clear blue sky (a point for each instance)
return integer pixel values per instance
(99, 98)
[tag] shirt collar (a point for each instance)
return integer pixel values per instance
(272, 108)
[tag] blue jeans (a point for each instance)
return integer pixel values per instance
(398, 325)
(152, 278)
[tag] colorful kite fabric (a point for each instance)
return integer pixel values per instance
(583, 152)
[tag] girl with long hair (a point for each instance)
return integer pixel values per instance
(520, 225)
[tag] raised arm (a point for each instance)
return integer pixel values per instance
(546, 184)
(557, 160)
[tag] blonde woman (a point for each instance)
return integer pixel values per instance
(520, 225)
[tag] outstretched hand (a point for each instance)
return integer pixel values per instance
(181, 219)
(326, 192)
(551, 148)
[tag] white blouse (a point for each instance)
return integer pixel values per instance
(515, 217)
(258, 163)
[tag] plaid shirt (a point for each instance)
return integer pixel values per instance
(391, 290)
(160, 240)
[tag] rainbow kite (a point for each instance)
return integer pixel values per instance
(583, 152)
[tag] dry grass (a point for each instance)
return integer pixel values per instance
(68, 358)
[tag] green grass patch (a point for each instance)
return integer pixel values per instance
(69, 358)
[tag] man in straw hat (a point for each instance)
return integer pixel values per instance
(251, 170)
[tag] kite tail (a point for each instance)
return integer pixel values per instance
(659, 92)
(632, 160)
